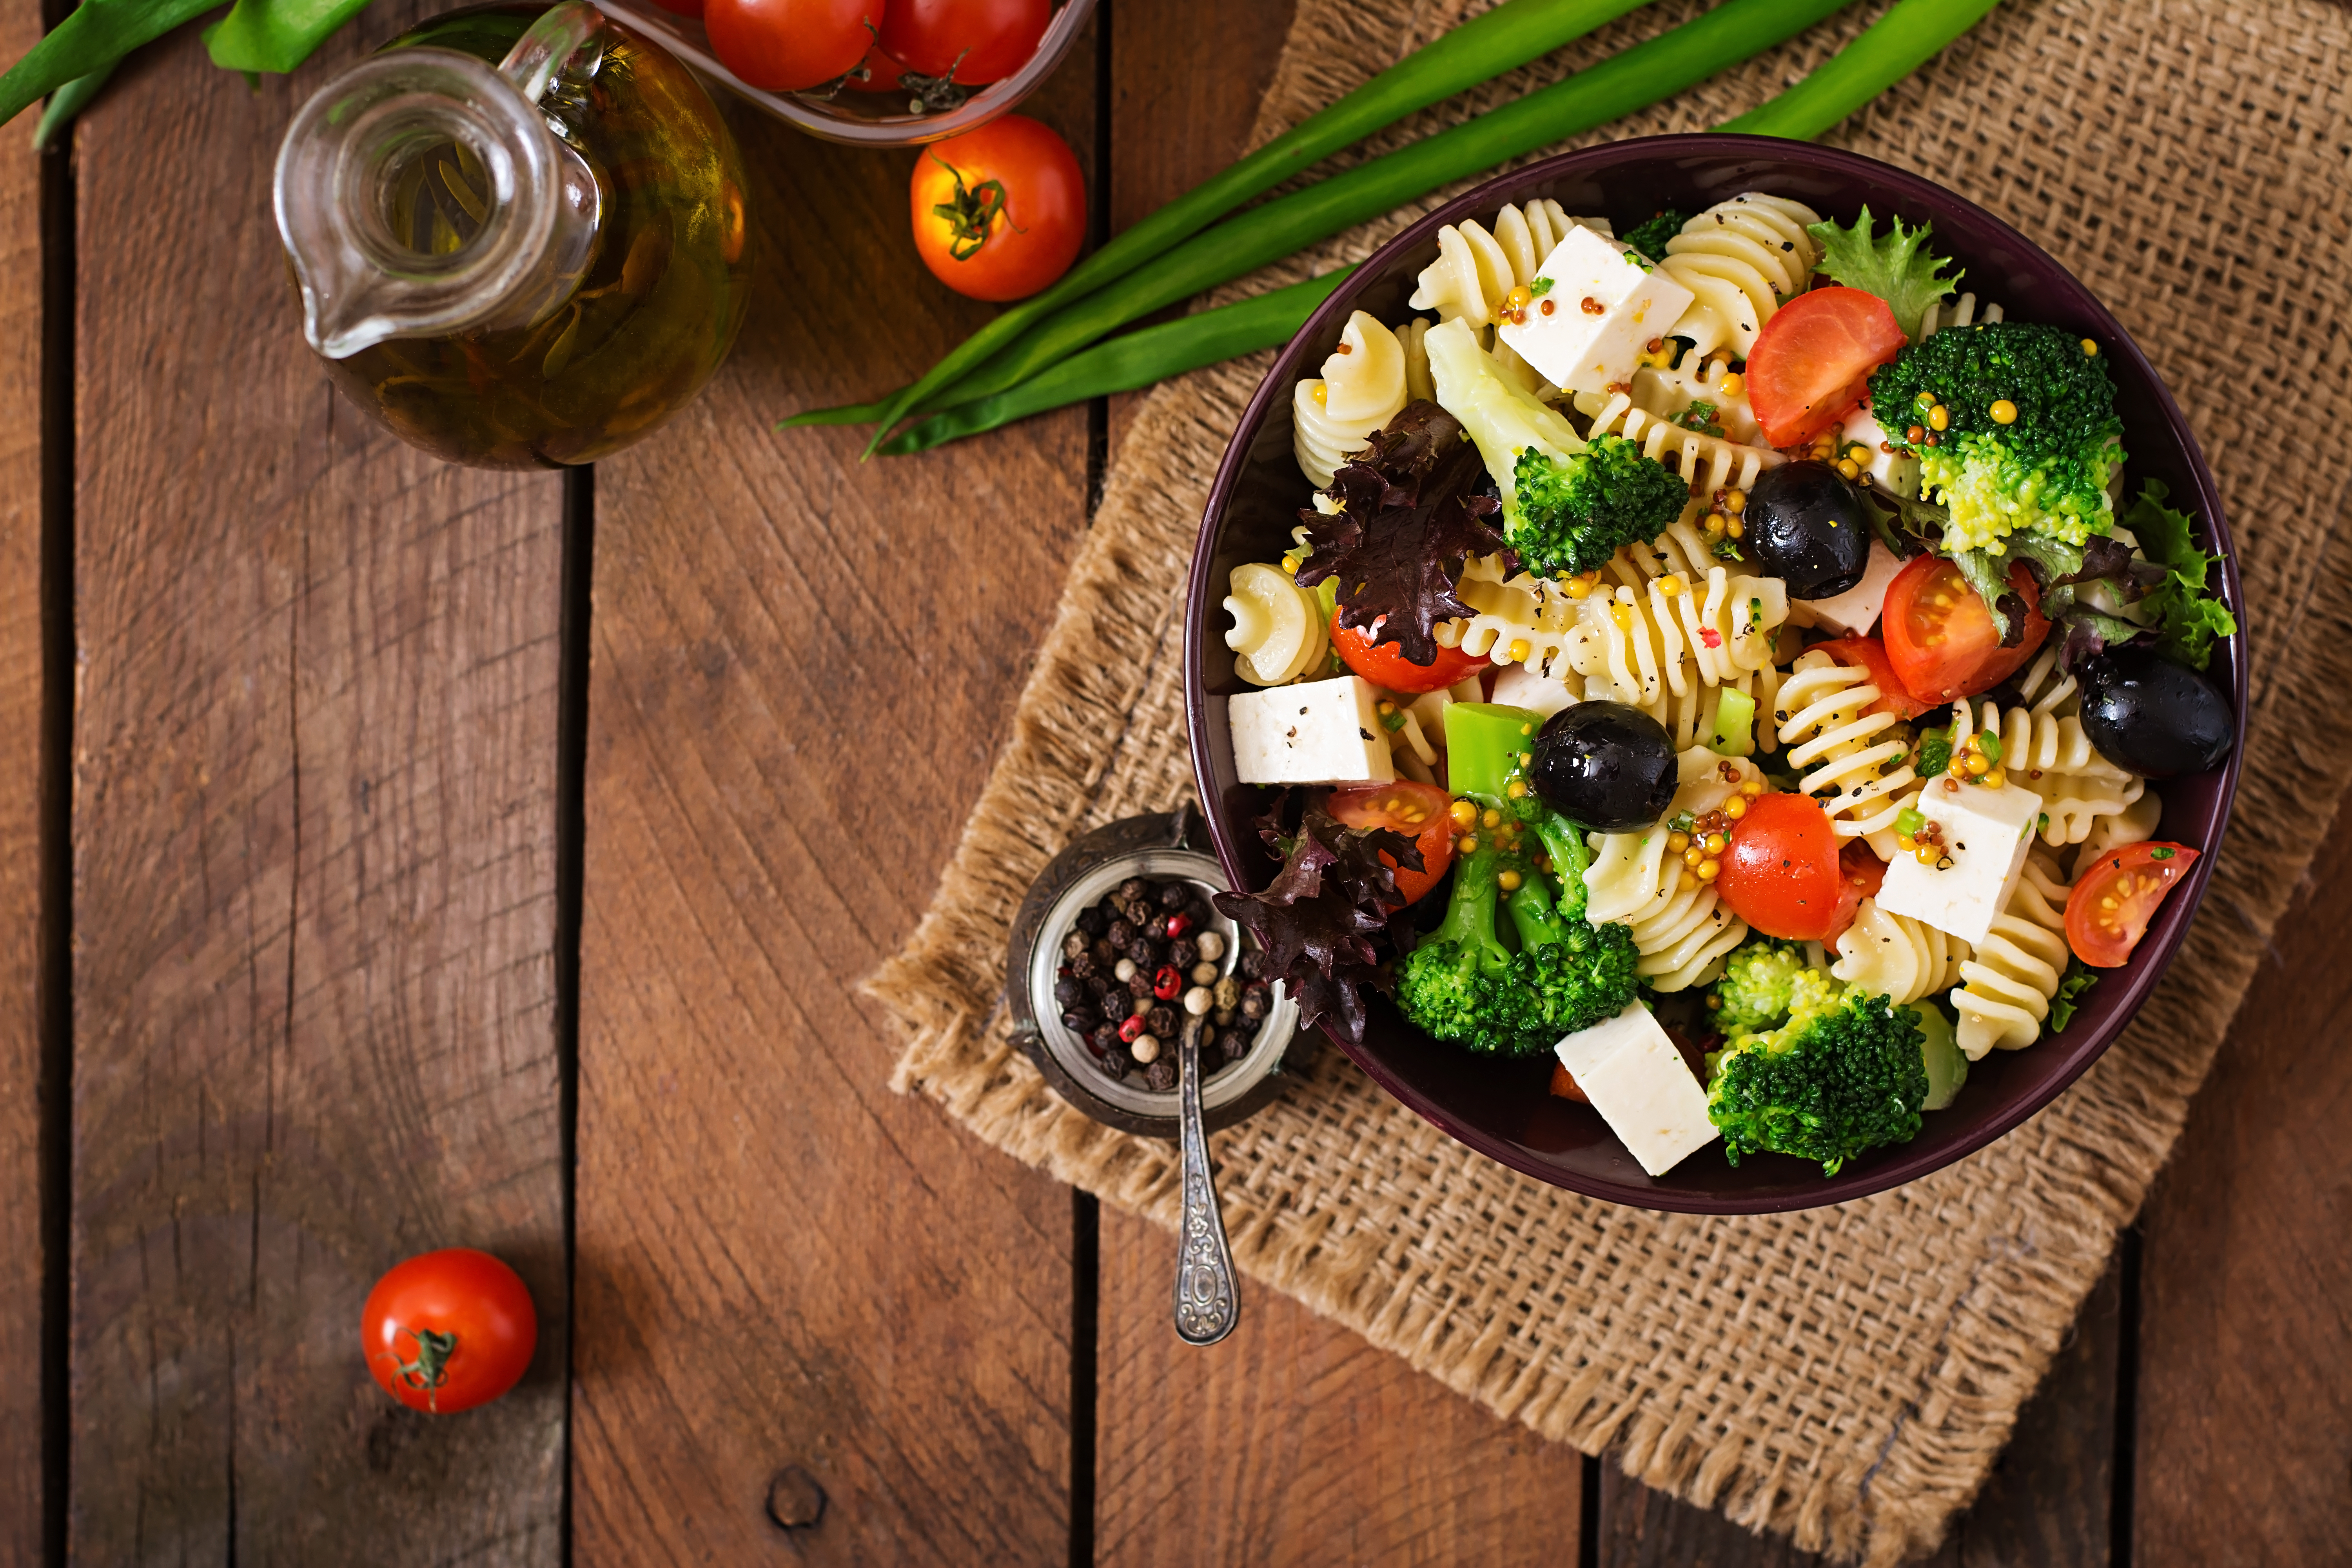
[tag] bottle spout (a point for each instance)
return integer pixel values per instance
(422, 193)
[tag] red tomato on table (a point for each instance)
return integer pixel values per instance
(1781, 872)
(1385, 665)
(998, 212)
(1811, 363)
(783, 46)
(447, 1330)
(882, 72)
(1416, 810)
(977, 40)
(1940, 637)
(2113, 899)
(1870, 654)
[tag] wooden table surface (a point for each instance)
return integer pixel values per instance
(395, 856)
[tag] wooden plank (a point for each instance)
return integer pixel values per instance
(314, 895)
(2244, 1450)
(23, 943)
(1297, 1442)
(800, 1294)
(2046, 1504)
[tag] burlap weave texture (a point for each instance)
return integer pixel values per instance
(1845, 1375)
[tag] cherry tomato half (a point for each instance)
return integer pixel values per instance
(1385, 665)
(2108, 911)
(998, 212)
(1870, 654)
(784, 46)
(1811, 363)
(447, 1330)
(1860, 873)
(977, 40)
(1941, 637)
(1781, 872)
(1416, 810)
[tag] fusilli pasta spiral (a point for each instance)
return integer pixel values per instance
(2048, 754)
(2134, 824)
(1681, 926)
(1277, 632)
(1897, 956)
(1475, 270)
(1855, 762)
(2015, 971)
(1706, 463)
(1361, 389)
(1739, 258)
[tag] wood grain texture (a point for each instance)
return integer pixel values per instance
(801, 668)
(23, 941)
(1185, 82)
(1295, 1441)
(2046, 1504)
(314, 889)
(2244, 1430)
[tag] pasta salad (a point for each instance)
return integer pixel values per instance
(1725, 658)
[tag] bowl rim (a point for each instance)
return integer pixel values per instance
(1909, 193)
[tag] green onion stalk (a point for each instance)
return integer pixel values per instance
(1909, 35)
(1480, 49)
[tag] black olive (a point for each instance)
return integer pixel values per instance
(2155, 717)
(1807, 524)
(1604, 765)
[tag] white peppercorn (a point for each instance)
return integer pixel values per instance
(1212, 945)
(1204, 973)
(1198, 1000)
(1145, 1048)
(1124, 969)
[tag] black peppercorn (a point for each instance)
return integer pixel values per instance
(1103, 1039)
(1075, 943)
(1120, 933)
(1105, 953)
(1081, 1021)
(1185, 952)
(1117, 1003)
(1134, 887)
(1234, 1045)
(1253, 963)
(1160, 1075)
(1092, 921)
(1145, 952)
(1174, 896)
(1138, 985)
(1069, 991)
(1083, 965)
(1115, 1063)
(1257, 1001)
(1161, 1021)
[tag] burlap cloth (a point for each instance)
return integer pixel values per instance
(1845, 1375)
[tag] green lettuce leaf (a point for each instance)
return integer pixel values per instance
(2190, 618)
(1894, 265)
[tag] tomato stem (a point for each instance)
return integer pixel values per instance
(971, 211)
(430, 1370)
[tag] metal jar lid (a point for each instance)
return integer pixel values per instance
(1156, 846)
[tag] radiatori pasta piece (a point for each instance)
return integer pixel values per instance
(1854, 760)
(1361, 389)
(2015, 970)
(2134, 824)
(1667, 394)
(1739, 258)
(1897, 956)
(1682, 928)
(1277, 632)
(2050, 755)
(1476, 269)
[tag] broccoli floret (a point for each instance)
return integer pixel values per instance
(1569, 975)
(1759, 985)
(1845, 1073)
(1451, 984)
(1567, 508)
(1650, 237)
(1575, 514)
(2046, 471)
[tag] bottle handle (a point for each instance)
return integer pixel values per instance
(570, 37)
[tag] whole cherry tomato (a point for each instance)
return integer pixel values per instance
(1812, 362)
(882, 72)
(1780, 873)
(2113, 901)
(974, 40)
(447, 1330)
(998, 212)
(783, 46)
(1940, 637)
(1416, 810)
(1385, 665)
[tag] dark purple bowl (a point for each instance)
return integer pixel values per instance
(1502, 1110)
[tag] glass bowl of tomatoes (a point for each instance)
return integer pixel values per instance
(1505, 1107)
(826, 65)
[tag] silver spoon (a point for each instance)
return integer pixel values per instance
(1207, 1302)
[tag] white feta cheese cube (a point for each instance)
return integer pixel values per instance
(1320, 732)
(1606, 307)
(1897, 473)
(1856, 610)
(1986, 833)
(1635, 1077)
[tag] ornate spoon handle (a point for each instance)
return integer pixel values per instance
(1207, 1303)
